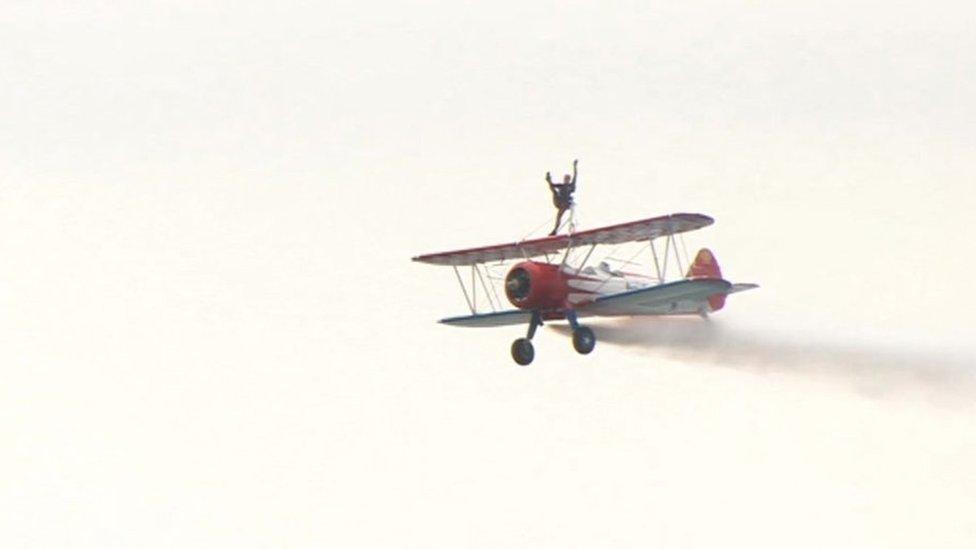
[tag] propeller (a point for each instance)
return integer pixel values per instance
(518, 283)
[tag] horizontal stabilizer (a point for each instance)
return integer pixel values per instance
(741, 287)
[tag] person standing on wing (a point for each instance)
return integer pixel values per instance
(562, 195)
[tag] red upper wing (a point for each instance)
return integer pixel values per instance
(644, 229)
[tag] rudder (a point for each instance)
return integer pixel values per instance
(706, 266)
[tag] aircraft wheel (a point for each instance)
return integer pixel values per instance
(522, 351)
(583, 340)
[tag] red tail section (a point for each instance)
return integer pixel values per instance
(706, 266)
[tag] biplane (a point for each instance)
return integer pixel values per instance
(547, 281)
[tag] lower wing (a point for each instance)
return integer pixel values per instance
(501, 318)
(673, 298)
(693, 296)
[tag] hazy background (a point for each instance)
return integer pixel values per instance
(211, 334)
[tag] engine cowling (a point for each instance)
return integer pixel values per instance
(533, 285)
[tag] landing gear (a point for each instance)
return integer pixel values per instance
(522, 351)
(583, 338)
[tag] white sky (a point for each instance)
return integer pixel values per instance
(211, 333)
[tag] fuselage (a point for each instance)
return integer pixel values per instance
(534, 285)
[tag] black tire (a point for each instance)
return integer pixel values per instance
(583, 340)
(522, 351)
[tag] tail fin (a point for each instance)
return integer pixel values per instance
(706, 266)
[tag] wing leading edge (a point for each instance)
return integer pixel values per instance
(501, 318)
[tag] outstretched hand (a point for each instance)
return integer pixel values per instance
(574, 163)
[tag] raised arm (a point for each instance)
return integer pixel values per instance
(549, 179)
(574, 173)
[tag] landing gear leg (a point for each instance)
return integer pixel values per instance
(583, 338)
(522, 350)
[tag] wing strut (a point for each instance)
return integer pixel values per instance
(677, 255)
(670, 248)
(657, 265)
(667, 252)
(485, 286)
(684, 248)
(463, 289)
(586, 258)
